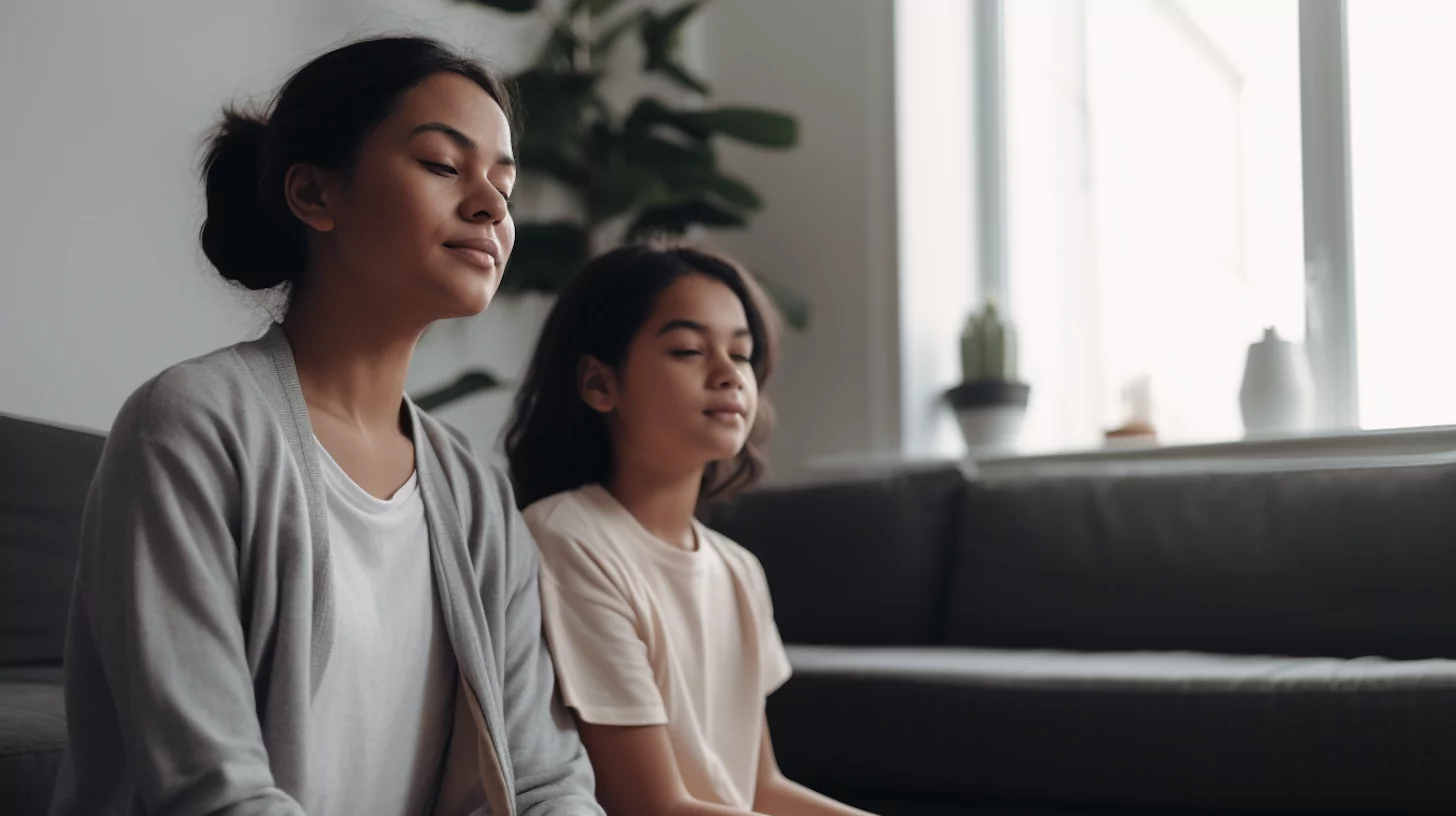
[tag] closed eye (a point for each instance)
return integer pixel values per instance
(742, 358)
(439, 168)
(685, 353)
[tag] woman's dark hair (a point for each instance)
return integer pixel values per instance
(321, 116)
(555, 441)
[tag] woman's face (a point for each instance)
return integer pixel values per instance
(421, 224)
(685, 394)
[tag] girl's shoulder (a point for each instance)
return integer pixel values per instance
(738, 557)
(568, 523)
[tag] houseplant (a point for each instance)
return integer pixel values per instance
(647, 171)
(990, 401)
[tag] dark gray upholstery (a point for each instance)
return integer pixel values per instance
(32, 737)
(1151, 729)
(1105, 641)
(855, 563)
(1340, 562)
(45, 472)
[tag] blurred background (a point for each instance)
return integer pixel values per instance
(1140, 188)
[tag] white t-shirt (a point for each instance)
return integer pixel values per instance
(382, 716)
(644, 633)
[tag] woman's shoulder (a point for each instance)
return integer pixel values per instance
(205, 394)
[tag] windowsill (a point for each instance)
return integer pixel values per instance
(1378, 448)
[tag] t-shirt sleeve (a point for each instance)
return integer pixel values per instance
(601, 659)
(773, 658)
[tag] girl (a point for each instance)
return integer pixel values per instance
(296, 592)
(640, 402)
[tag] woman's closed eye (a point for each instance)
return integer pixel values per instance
(686, 352)
(440, 168)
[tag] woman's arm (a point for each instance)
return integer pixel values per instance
(637, 774)
(553, 775)
(779, 796)
(155, 626)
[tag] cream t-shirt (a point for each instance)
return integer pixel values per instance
(645, 633)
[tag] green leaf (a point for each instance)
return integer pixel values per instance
(680, 75)
(554, 104)
(751, 125)
(559, 50)
(545, 257)
(793, 306)
(677, 218)
(607, 40)
(621, 188)
(731, 190)
(661, 36)
(554, 159)
(669, 157)
(644, 115)
(513, 6)
(464, 385)
(592, 7)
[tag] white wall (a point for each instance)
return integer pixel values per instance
(829, 227)
(104, 107)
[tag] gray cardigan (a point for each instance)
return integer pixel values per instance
(201, 619)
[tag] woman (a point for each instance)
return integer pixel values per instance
(296, 592)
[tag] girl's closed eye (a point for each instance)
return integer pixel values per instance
(686, 352)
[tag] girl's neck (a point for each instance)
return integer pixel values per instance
(351, 366)
(663, 503)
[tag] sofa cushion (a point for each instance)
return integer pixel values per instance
(1345, 562)
(860, 562)
(45, 472)
(32, 738)
(1152, 729)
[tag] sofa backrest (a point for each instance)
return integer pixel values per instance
(855, 563)
(45, 472)
(1341, 563)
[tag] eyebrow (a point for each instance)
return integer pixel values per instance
(695, 326)
(460, 139)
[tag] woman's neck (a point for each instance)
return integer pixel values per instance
(662, 502)
(351, 365)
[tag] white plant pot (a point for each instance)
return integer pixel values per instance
(992, 429)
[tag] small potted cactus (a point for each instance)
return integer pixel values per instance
(990, 402)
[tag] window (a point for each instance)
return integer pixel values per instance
(1153, 206)
(1179, 175)
(1403, 172)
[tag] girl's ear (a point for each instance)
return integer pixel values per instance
(596, 383)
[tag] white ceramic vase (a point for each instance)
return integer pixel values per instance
(1277, 395)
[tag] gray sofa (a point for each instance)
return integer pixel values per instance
(1259, 642)
(44, 474)
(1239, 642)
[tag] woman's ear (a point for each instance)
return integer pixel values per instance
(596, 383)
(309, 192)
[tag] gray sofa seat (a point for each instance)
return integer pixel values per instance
(1156, 729)
(32, 736)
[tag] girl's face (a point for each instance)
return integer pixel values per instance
(685, 394)
(421, 222)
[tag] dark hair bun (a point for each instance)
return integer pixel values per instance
(240, 236)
